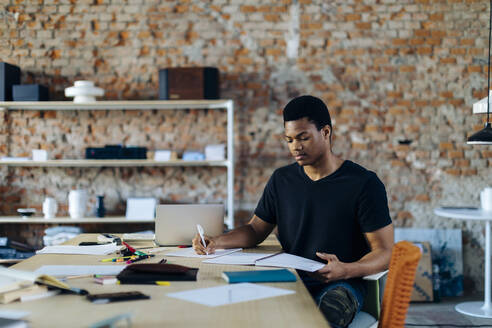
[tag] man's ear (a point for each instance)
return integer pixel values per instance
(326, 131)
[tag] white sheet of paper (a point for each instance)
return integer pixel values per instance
(76, 270)
(238, 258)
(190, 252)
(229, 294)
(13, 314)
(284, 260)
(81, 250)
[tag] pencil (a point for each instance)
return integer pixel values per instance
(80, 276)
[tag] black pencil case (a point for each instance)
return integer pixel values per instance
(151, 273)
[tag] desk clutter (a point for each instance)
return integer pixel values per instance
(50, 280)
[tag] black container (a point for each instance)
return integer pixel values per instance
(30, 92)
(116, 152)
(9, 75)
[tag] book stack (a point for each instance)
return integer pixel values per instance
(25, 285)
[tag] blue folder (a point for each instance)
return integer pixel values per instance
(282, 275)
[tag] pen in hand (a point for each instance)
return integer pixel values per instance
(200, 232)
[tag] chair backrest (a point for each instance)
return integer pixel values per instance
(399, 284)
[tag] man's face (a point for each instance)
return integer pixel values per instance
(305, 142)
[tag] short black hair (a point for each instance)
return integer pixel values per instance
(308, 106)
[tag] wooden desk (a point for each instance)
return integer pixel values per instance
(296, 310)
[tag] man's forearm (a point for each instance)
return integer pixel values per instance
(244, 237)
(373, 262)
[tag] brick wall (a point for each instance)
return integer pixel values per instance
(388, 70)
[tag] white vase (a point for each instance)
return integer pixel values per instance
(77, 203)
(49, 207)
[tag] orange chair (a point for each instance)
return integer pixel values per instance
(399, 284)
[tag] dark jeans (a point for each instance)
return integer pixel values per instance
(339, 301)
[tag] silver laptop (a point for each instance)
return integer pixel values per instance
(176, 224)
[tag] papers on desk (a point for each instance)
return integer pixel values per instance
(13, 314)
(229, 294)
(190, 252)
(81, 250)
(281, 260)
(284, 260)
(238, 258)
(78, 270)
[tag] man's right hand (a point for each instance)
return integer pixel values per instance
(202, 250)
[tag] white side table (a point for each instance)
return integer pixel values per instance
(474, 309)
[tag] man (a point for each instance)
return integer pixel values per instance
(326, 209)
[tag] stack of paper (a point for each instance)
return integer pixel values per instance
(15, 284)
(81, 250)
(238, 258)
(78, 270)
(282, 260)
(190, 252)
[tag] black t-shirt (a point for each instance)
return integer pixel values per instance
(329, 215)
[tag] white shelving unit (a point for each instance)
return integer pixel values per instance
(108, 163)
(136, 105)
(68, 220)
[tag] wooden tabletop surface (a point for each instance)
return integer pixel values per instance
(295, 310)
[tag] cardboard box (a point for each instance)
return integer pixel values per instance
(422, 287)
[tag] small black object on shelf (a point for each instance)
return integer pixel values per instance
(100, 209)
(9, 75)
(30, 92)
(116, 152)
(405, 141)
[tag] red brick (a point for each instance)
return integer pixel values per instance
(458, 51)
(486, 153)
(363, 26)
(359, 146)
(468, 172)
(433, 41)
(453, 154)
(422, 33)
(467, 42)
(474, 69)
(272, 17)
(436, 17)
(407, 69)
(417, 42)
(424, 51)
(399, 42)
(448, 60)
(352, 17)
(445, 145)
(248, 9)
(398, 163)
(462, 163)
(274, 52)
(404, 215)
(451, 171)
(422, 198)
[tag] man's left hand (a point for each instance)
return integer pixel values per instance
(333, 270)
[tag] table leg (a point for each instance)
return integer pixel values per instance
(479, 309)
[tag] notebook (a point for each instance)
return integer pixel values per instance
(282, 275)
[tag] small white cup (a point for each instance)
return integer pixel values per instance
(77, 203)
(486, 199)
(49, 207)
